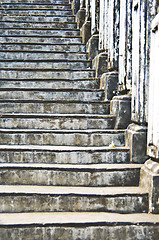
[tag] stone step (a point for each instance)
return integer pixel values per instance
(37, 25)
(36, 1)
(40, 19)
(36, 12)
(43, 47)
(59, 121)
(37, 6)
(46, 74)
(29, 198)
(51, 64)
(79, 225)
(92, 83)
(40, 32)
(41, 55)
(93, 175)
(49, 94)
(43, 106)
(40, 40)
(93, 137)
(63, 154)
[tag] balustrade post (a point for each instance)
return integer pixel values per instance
(81, 14)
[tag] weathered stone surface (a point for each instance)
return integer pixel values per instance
(61, 137)
(70, 175)
(80, 17)
(109, 83)
(63, 154)
(99, 64)
(75, 226)
(121, 107)
(136, 139)
(92, 46)
(59, 121)
(64, 199)
(149, 180)
(70, 47)
(55, 107)
(86, 31)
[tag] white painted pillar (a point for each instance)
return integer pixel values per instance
(95, 16)
(125, 45)
(102, 22)
(142, 15)
(153, 119)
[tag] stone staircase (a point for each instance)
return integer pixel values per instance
(65, 172)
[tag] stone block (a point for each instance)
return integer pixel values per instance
(86, 32)
(80, 17)
(92, 46)
(121, 107)
(109, 83)
(99, 63)
(136, 139)
(149, 180)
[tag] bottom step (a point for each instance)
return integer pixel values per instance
(83, 226)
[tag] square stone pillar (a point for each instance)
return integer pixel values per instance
(109, 83)
(86, 27)
(81, 14)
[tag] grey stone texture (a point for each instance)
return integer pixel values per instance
(121, 107)
(92, 46)
(99, 64)
(109, 83)
(136, 139)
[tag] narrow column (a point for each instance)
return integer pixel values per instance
(93, 42)
(125, 47)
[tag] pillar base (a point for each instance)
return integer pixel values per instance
(86, 31)
(121, 107)
(149, 179)
(99, 64)
(136, 140)
(92, 47)
(109, 83)
(80, 17)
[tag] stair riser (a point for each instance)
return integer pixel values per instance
(38, 18)
(56, 84)
(39, 32)
(54, 40)
(65, 203)
(40, 107)
(43, 47)
(42, 56)
(69, 177)
(39, 12)
(115, 232)
(52, 95)
(57, 123)
(38, 25)
(72, 157)
(37, 74)
(74, 139)
(40, 65)
(35, 6)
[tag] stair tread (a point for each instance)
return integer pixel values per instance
(104, 191)
(62, 148)
(77, 218)
(71, 167)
